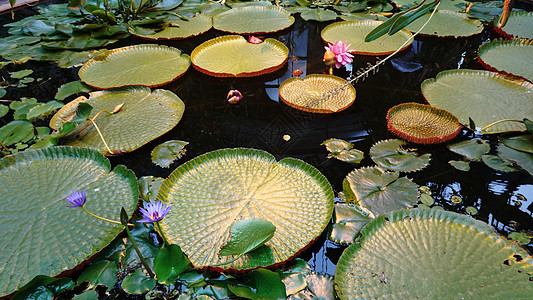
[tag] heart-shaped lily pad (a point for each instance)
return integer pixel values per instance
(253, 20)
(317, 93)
(514, 57)
(213, 191)
(233, 56)
(41, 235)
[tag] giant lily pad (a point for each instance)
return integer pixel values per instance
(422, 124)
(432, 254)
(41, 235)
(513, 57)
(211, 192)
(518, 25)
(483, 96)
(354, 33)
(445, 23)
(177, 29)
(233, 56)
(147, 65)
(145, 116)
(253, 20)
(391, 155)
(378, 191)
(317, 93)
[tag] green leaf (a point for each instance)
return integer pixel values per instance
(337, 145)
(520, 237)
(138, 283)
(460, 165)
(523, 159)
(247, 235)
(389, 154)
(3, 92)
(21, 73)
(166, 153)
(43, 110)
(353, 156)
(16, 131)
(169, 263)
(522, 143)
(491, 55)
(318, 14)
(348, 223)
(35, 289)
(262, 284)
(496, 163)
(383, 28)
(427, 199)
(149, 187)
(470, 149)
(71, 88)
(253, 20)
(141, 235)
(412, 15)
(3, 110)
(101, 272)
(87, 295)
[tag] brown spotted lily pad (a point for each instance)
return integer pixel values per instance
(317, 93)
(233, 56)
(422, 124)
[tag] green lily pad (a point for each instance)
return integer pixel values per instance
(145, 116)
(247, 235)
(43, 234)
(138, 283)
(522, 143)
(71, 88)
(514, 57)
(389, 154)
(348, 223)
(378, 191)
(354, 33)
(460, 165)
(212, 191)
(353, 156)
(496, 163)
(431, 254)
(523, 159)
(445, 23)
(318, 14)
(147, 65)
(518, 25)
(483, 96)
(177, 28)
(337, 145)
(233, 56)
(471, 149)
(253, 20)
(166, 153)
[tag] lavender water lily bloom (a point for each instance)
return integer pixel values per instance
(76, 198)
(154, 211)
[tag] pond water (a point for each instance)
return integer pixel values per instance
(261, 121)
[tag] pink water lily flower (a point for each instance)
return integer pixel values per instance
(341, 52)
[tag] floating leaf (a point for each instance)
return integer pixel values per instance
(138, 283)
(318, 14)
(21, 74)
(44, 109)
(522, 143)
(147, 65)
(177, 28)
(470, 149)
(16, 131)
(445, 23)
(390, 155)
(253, 20)
(348, 223)
(523, 159)
(166, 153)
(354, 33)
(518, 25)
(101, 272)
(71, 88)
(247, 235)
(422, 124)
(43, 287)
(212, 191)
(317, 93)
(353, 156)
(481, 95)
(521, 238)
(456, 199)
(233, 56)
(169, 263)
(55, 172)
(513, 57)
(262, 284)
(379, 192)
(337, 145)
(471, 210)
(427, 199)
(496, 163)
(3, 110)
(460, 165)
(149, 187)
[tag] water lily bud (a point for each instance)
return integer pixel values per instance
(254, 40)
(297, 72)
(118, 107)
(234, 96)
(329, 58)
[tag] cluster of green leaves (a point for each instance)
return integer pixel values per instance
(476, 150)
(323, 11)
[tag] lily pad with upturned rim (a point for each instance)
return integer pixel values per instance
(233, 56)
(253, 20)
(429, 254)
(311, 93)
(483, 96)
(354, 33)
(41, 235)
(446, 23)
(422, 124)
(147, 65)
(513, 57)
(178, 29)
(518, 25)
(212, 191)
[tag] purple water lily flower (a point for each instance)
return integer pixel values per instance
(341, 52)
(76, 198)
(154, 211)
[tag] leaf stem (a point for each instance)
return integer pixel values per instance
(500, 121)
(98, 129)
(141, 257)
(158, 227)
(104, 219)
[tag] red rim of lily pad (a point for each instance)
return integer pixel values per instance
(485, 47)
(501, 31)
(422, 123)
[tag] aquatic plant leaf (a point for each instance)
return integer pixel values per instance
(212, 191)
(520, 237)
(233, 56)
(496, 163)
(43, 109)
(318, 14)
(149, 187)
(522, 143)
(471, 149)
(445, 23)
(145, 116)
(253, 20)
(138, 283)
(389, 154)
(483, 96)
(337, 145)
(460, 165)
(353, 156)
(177, 28)
(101, 272)
(523, 159)
(16, 131)
(354, 33)
(3, 110)
(169, 263)
(518, 25)
(261, 284)
(86, 295)
(21, 74)
(379, 192)
(247, 235)
(146, 65)
(514, 57)
(166, 153)
(348, 223)
(320, 286)
(400, 250)
(55, 172)
(43, 287)
(71, 88)
(422, 124)
(314, 93)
